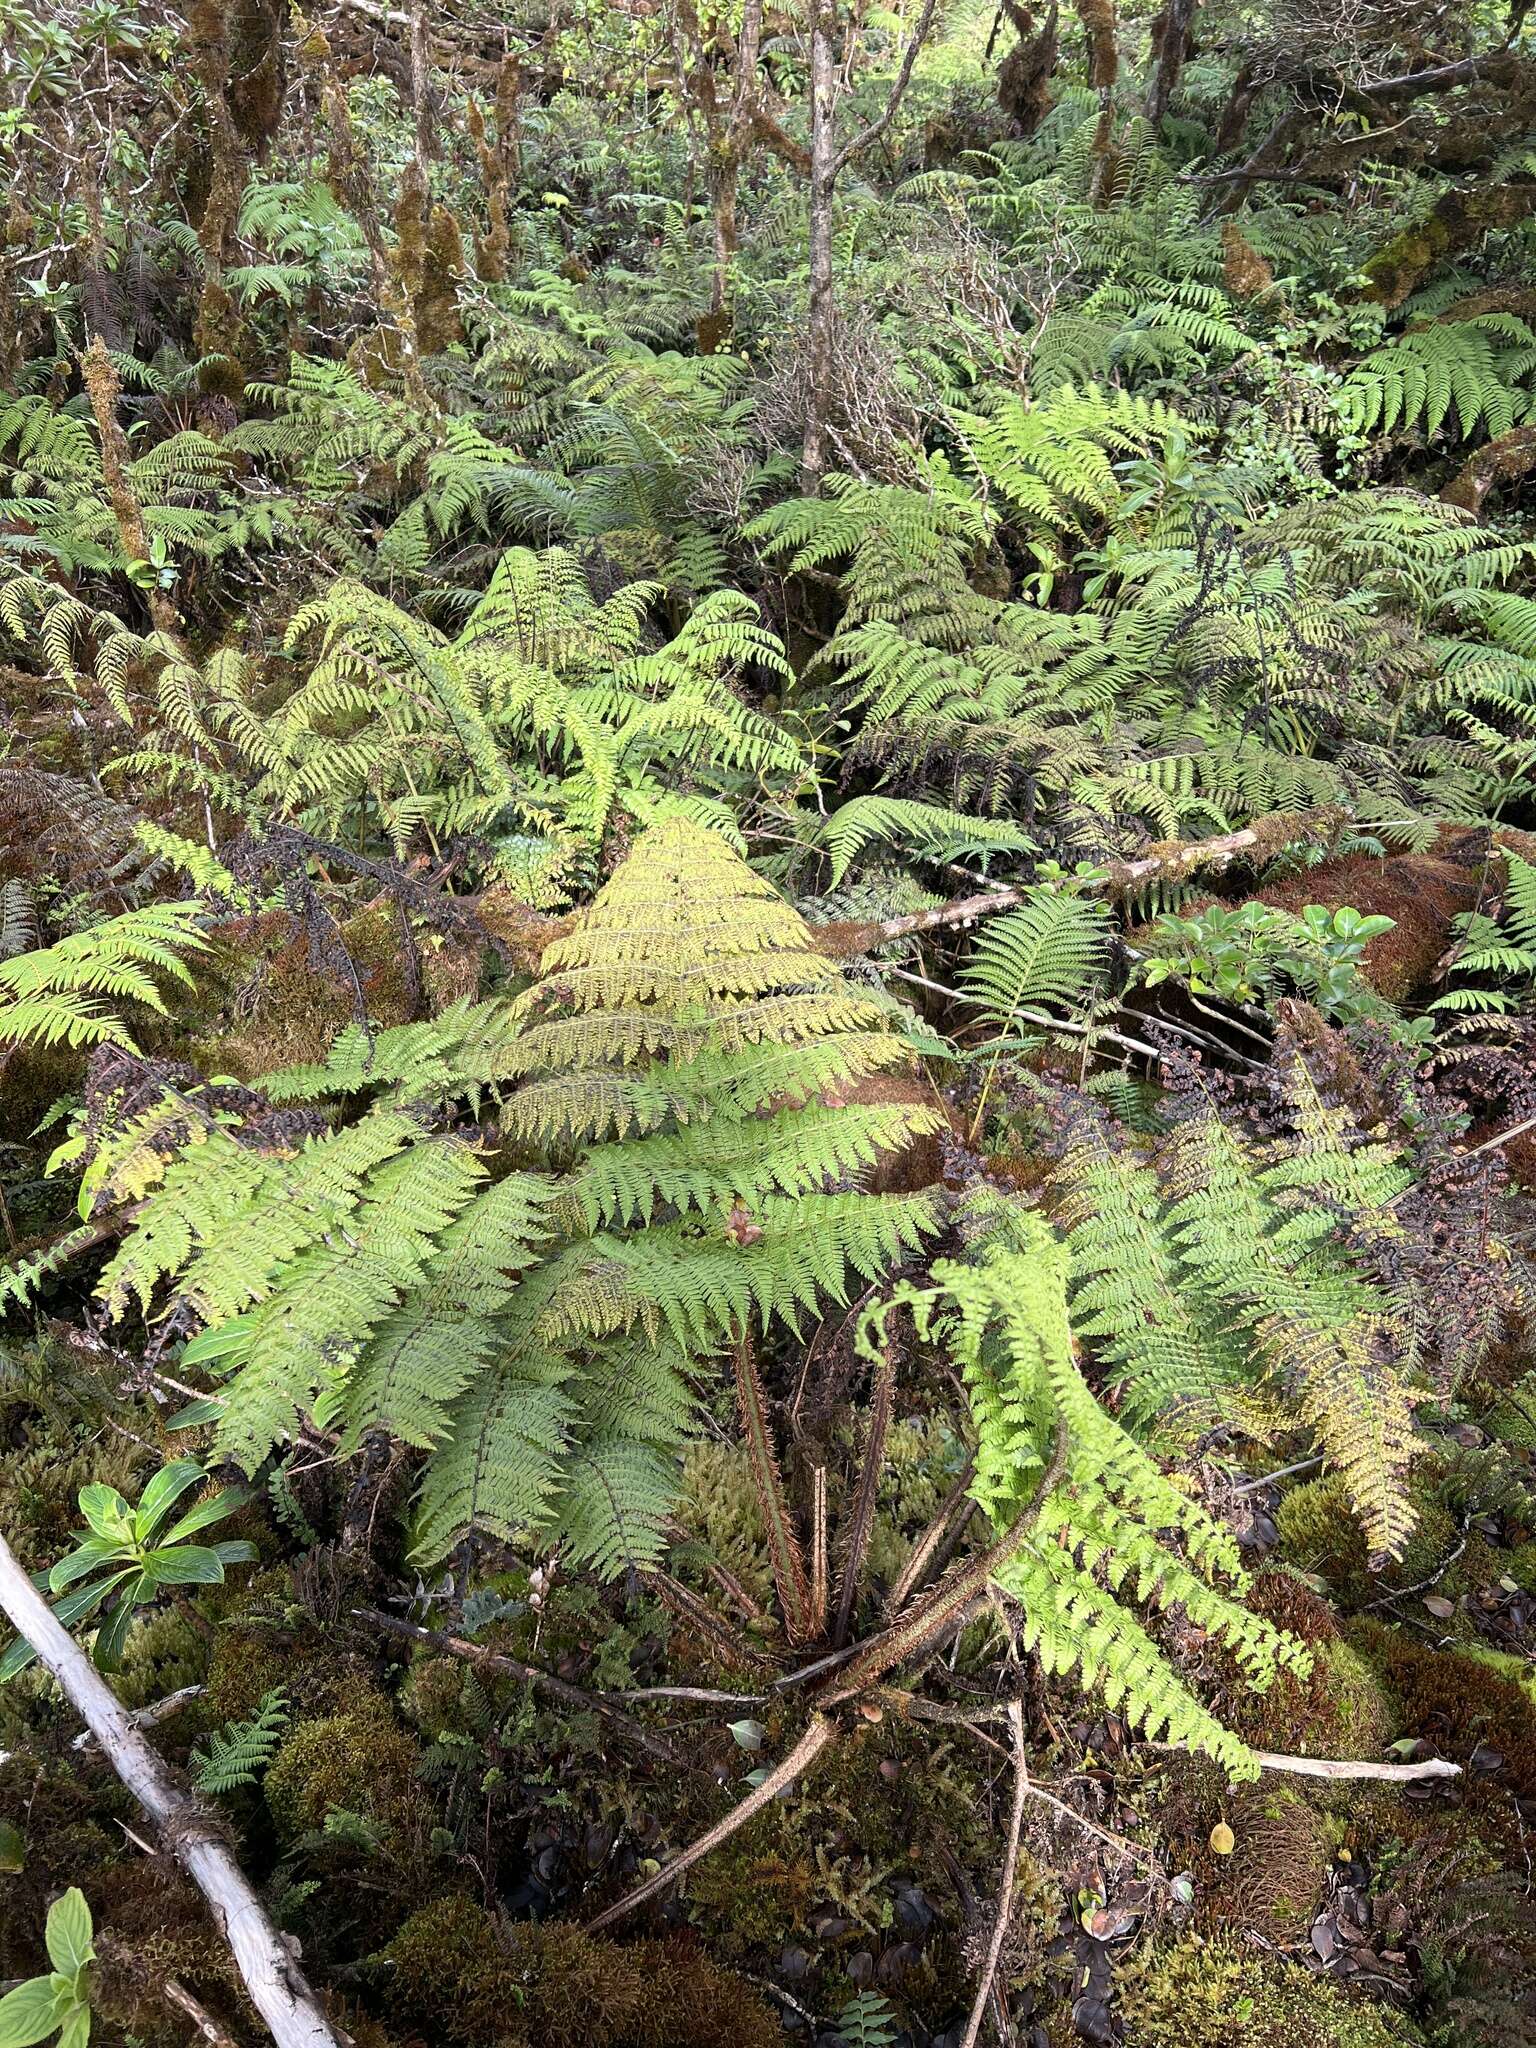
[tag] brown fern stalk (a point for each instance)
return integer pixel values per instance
(784, 1552)
(863, 1517)
(820, 1571)
(949, 1605)
(805, 1752)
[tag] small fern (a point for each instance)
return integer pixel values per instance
(239, 1752)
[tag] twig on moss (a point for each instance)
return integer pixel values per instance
(805, 1752)
(541, 1681)
(1328, 1767)
(1005, 1883)
(272, 1977)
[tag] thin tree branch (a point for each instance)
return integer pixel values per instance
(276, 1985)
(882, 121)
(1005, 1884)
(805, 1752)
(541, 1681)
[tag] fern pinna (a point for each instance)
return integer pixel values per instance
(678, 1159)
(1222, 1269)
(1114, 1531)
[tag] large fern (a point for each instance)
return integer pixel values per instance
(1114, 1532)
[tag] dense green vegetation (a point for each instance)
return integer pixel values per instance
(768, 1018)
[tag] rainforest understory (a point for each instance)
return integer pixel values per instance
(768, 1023)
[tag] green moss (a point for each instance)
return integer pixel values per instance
(358, 1762)
(40, 1487)
(165, 1651)
(1218, 1993)
(449, 1972)
(718, 1503)
(486, 1983)
(1319, 1535)
(922, 1458)
(744, 1898)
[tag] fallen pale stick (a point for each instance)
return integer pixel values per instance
(276, 1985)
(1326, 1767)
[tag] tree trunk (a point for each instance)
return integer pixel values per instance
(1170, 48)
(823, 305)
(276, 1985)
(725, 182)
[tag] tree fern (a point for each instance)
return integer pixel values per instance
(675, 1089)
(64, 993)
(1113, 1531)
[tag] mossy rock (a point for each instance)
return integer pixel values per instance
(1220, 1993)
(360, 1762)
(473, 1979)
(1461, 1701)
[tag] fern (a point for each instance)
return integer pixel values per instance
(1051, 949)
(928, 829)
(239, 1752)
(867, 2021)
(65, 993)
(675, 1085)
(1101, 1540)
(1476, 370)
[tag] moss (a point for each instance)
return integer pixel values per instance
(1275, 1876)
(263, 1001)
(359, 1762)
(487, 1983)
(922, 1461)
(1219, 1993)
(1318, 1534)
(1339, 1709)
(1460, 1701)
(40, 1487)
(703, 2006)
(165, 1651)
(450, 1973)
(718, 1502)
(750, 1899)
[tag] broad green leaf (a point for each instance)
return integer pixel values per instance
(32, 2011)
(207, 1511)
(68, 1933)
(188, 1564)
(106, 1510)
(164, 1490)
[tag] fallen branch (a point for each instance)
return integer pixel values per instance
(1005, 1884)
(805, 1752)
(1124, 876)
(276, 1985)
(541, 1681)
(1327, 1767)
(150, 1716)
(206, 2026)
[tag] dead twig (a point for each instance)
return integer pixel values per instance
(816, 1738)
(1005, 1884)
(541, 1681)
